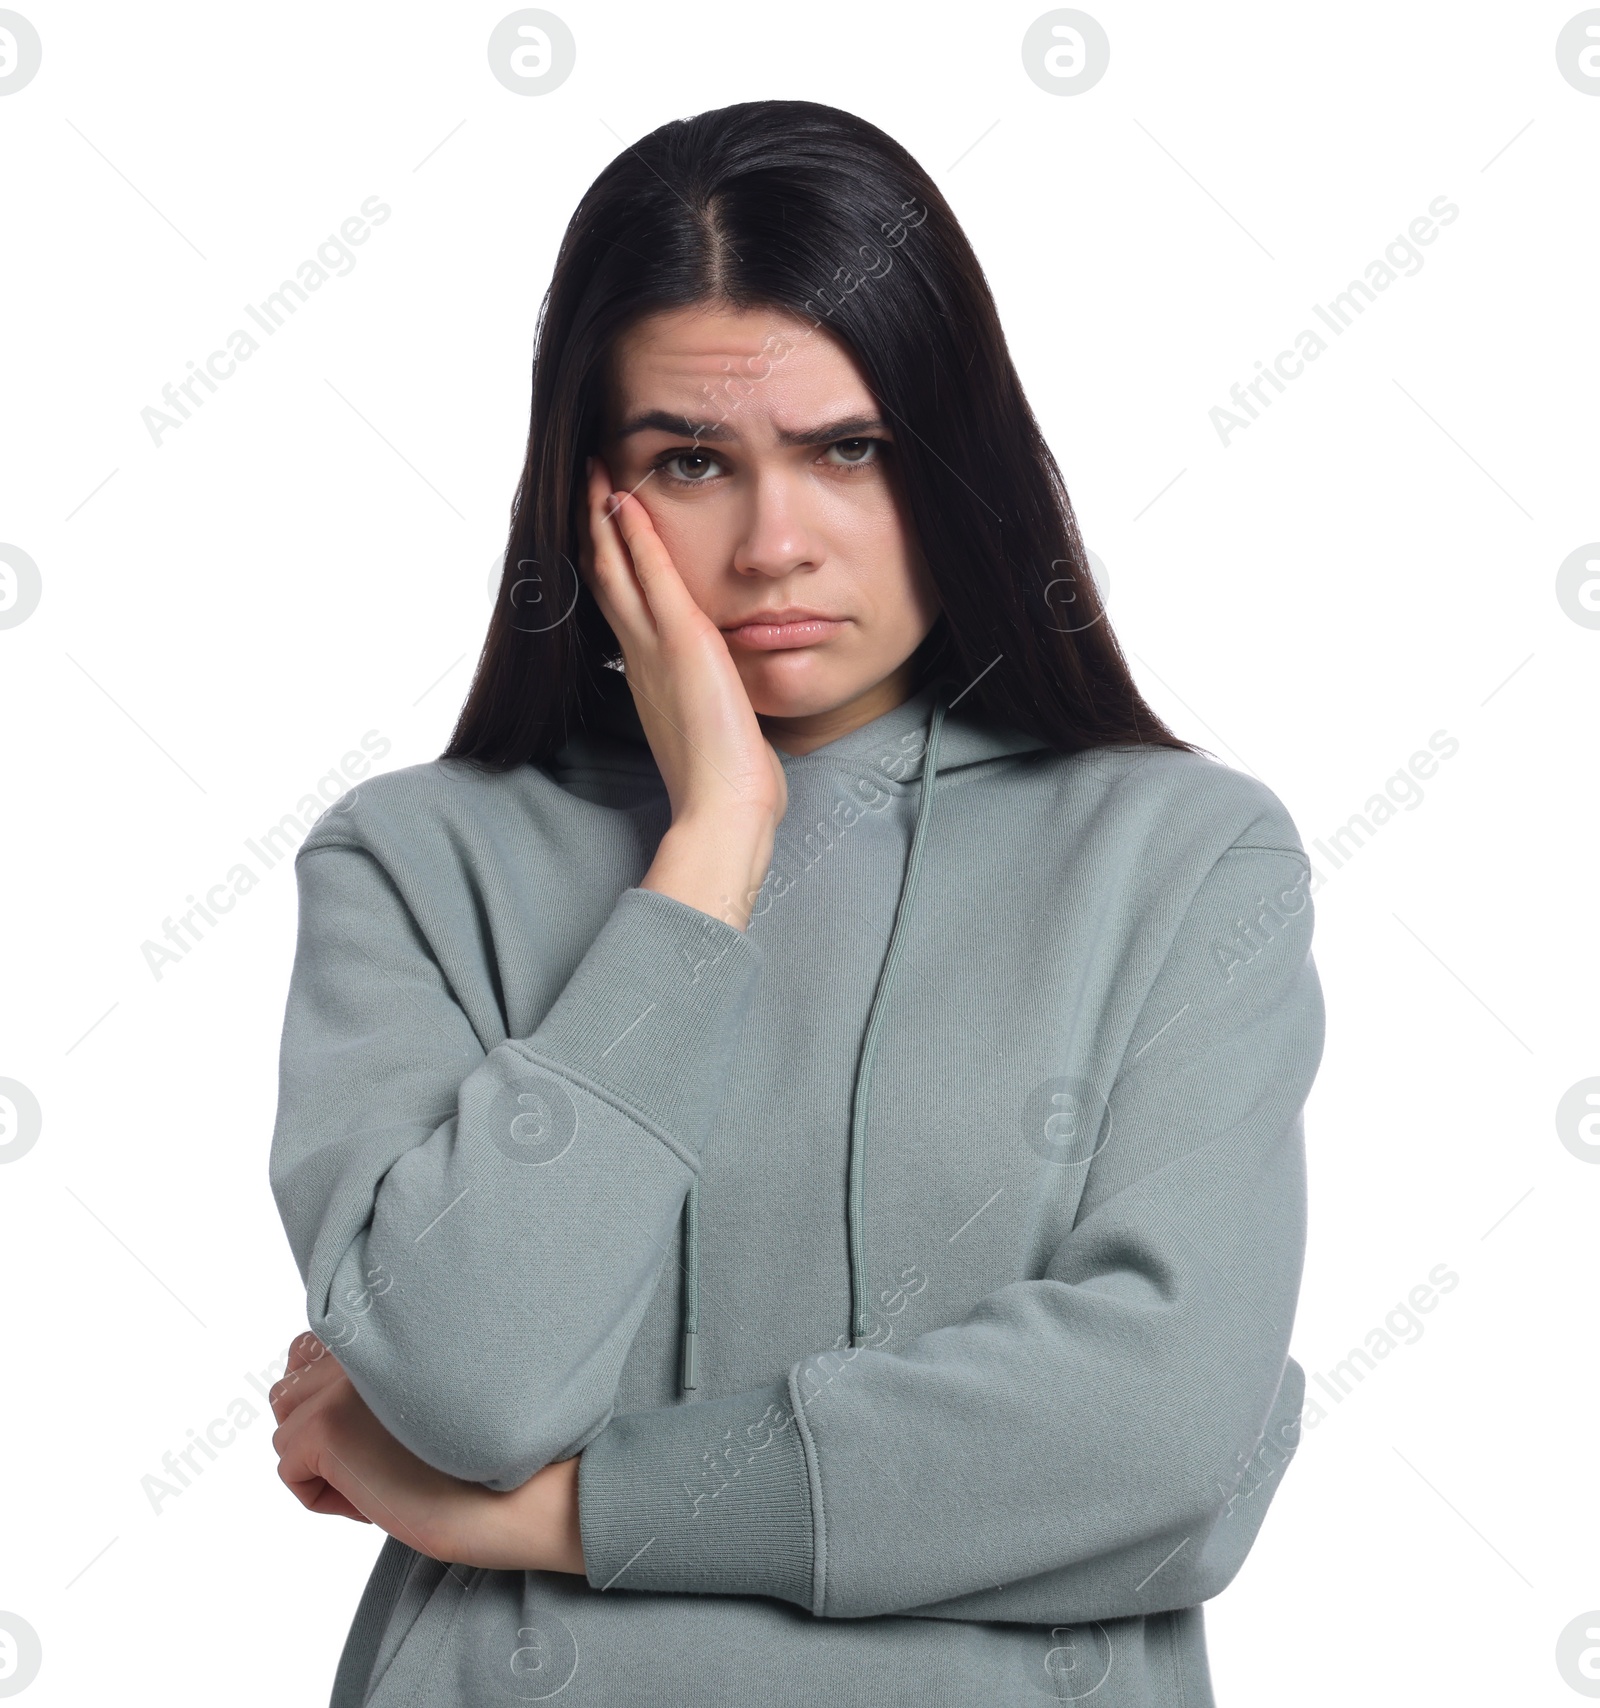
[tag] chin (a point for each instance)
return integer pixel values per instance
(789, 685)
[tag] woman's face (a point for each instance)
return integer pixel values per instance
(756, 447)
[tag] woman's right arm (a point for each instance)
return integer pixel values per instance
(481, 1230)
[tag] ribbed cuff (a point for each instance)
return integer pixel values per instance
(653, 1011)
(705, 1499)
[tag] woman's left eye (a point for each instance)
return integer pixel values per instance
(862, 452)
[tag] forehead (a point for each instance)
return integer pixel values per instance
(753, 362)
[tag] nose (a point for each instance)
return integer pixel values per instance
(780, 533)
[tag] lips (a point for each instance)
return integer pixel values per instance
(793, 626)
(789, 614)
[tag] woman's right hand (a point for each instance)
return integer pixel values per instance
(723, 777)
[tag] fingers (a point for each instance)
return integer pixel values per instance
(304, 1351)
(615, 586)
(307, 1490)
(669, 600)
(298, 1468)
(317, 1494)
(638, 571)
(297, 1471)
(334, 1505)
(300, 1441)
(311, 1369)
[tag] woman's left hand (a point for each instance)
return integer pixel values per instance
(338, 1459)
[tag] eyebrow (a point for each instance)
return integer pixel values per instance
(719, 433)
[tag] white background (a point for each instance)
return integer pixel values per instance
(307, 559)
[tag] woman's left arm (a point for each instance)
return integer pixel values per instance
(1097, 1443)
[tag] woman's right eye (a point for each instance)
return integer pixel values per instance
(701, 458)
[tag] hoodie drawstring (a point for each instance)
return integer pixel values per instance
(858, 1100)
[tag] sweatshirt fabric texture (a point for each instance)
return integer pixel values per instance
(913, 1272)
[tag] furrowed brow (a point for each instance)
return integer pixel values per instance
(850, 427)
(720, 432)
(663, 421)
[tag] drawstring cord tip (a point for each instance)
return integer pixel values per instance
(690, 1344)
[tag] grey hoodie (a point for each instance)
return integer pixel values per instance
(914, 1272)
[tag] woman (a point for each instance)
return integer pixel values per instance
(794, 1145)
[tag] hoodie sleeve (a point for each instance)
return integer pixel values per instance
(480, 1230)
(1097, 1443)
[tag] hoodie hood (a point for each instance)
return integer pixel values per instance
(915, 743)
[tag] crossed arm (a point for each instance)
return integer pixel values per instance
(1153, 1346)
(336, 1458)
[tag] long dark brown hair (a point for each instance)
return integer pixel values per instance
(809, 210)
